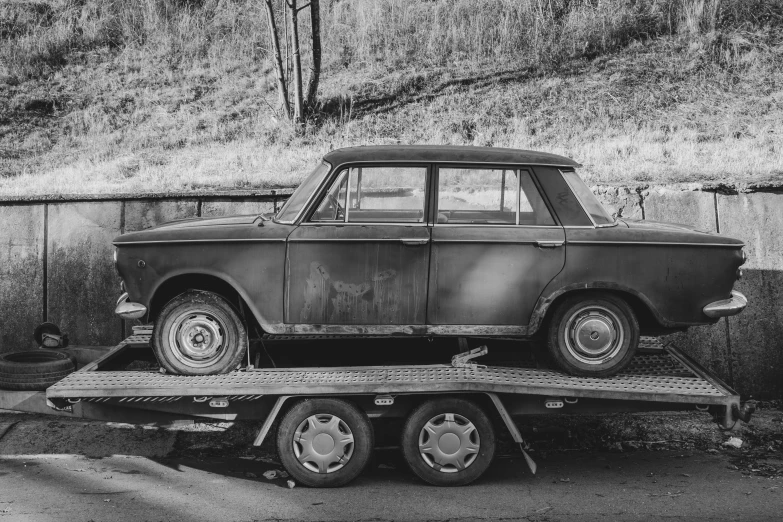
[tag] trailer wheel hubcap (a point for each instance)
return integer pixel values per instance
(449, 443)
(594, 334)
(323, 443)
(196, 338)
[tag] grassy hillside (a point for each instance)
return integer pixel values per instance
(153, 95)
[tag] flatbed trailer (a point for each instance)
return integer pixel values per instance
(324, 412)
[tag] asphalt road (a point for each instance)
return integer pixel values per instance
(644, 485)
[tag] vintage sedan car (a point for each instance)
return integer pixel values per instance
(427, 241)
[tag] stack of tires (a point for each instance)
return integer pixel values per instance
(34, 370)
(38, 369)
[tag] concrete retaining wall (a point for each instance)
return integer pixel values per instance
(55, 265)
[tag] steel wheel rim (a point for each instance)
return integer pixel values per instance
(323, 443)
(594, 334)
(197, 338)
(449, 443)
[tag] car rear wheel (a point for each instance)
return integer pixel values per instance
(199, 333)
(595, 336)
(325, 443)
(448, 442)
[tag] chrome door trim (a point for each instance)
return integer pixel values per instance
(159, 241)
(655, 243)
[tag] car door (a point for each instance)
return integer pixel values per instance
(359, 263)
(495, 246)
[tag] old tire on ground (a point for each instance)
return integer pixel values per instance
(199, 333)
(448, 442)
(593, 336)
(34, 370)
(325, 443)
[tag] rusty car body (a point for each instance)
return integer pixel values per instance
(428, 241)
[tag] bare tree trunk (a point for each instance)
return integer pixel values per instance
(315, 66)
(297, 59)
(282, 90)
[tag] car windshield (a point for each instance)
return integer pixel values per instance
(299, 198)
(592, 206)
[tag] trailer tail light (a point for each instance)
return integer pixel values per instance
(553, 402)
(219, 402)
(384, 400)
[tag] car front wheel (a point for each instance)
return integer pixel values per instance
(593, 336)
(199, 333)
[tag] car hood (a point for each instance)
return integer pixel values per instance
(251, 226)
(248, 219)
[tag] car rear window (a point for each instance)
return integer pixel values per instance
(592, 206)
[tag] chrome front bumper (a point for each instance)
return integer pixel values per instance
(129, 310)
(727, 307)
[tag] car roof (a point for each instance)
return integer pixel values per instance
(446, 153)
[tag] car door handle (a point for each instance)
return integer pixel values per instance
(549, 244)
(416, 241)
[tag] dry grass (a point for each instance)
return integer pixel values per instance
(159, 95)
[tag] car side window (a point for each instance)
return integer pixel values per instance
(386, 194)
(332, 207)
(489, 196)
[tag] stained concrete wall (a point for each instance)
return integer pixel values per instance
(745, 350)
(22, 253)
(56, 258)
(55, 264)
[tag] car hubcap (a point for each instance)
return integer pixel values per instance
(197, 339)
(594, 335)
(449, 443)
(323, 443)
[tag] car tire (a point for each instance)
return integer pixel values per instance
(34, 370)
(595, 336)
(199, 333)
(325, 443)
(439, 446)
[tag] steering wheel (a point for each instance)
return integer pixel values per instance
(336, 204)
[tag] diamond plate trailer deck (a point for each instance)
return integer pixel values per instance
(658, 379)
(662, 375)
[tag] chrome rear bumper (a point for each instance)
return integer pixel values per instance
(129, 310)
(727, 307)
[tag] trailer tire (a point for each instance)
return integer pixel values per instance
(606, 317)
(338, 448)
(34, 370)
(460, 454)
(199, 333)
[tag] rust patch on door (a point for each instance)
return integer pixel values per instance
(375, 301)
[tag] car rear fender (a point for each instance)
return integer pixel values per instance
(641, 305)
